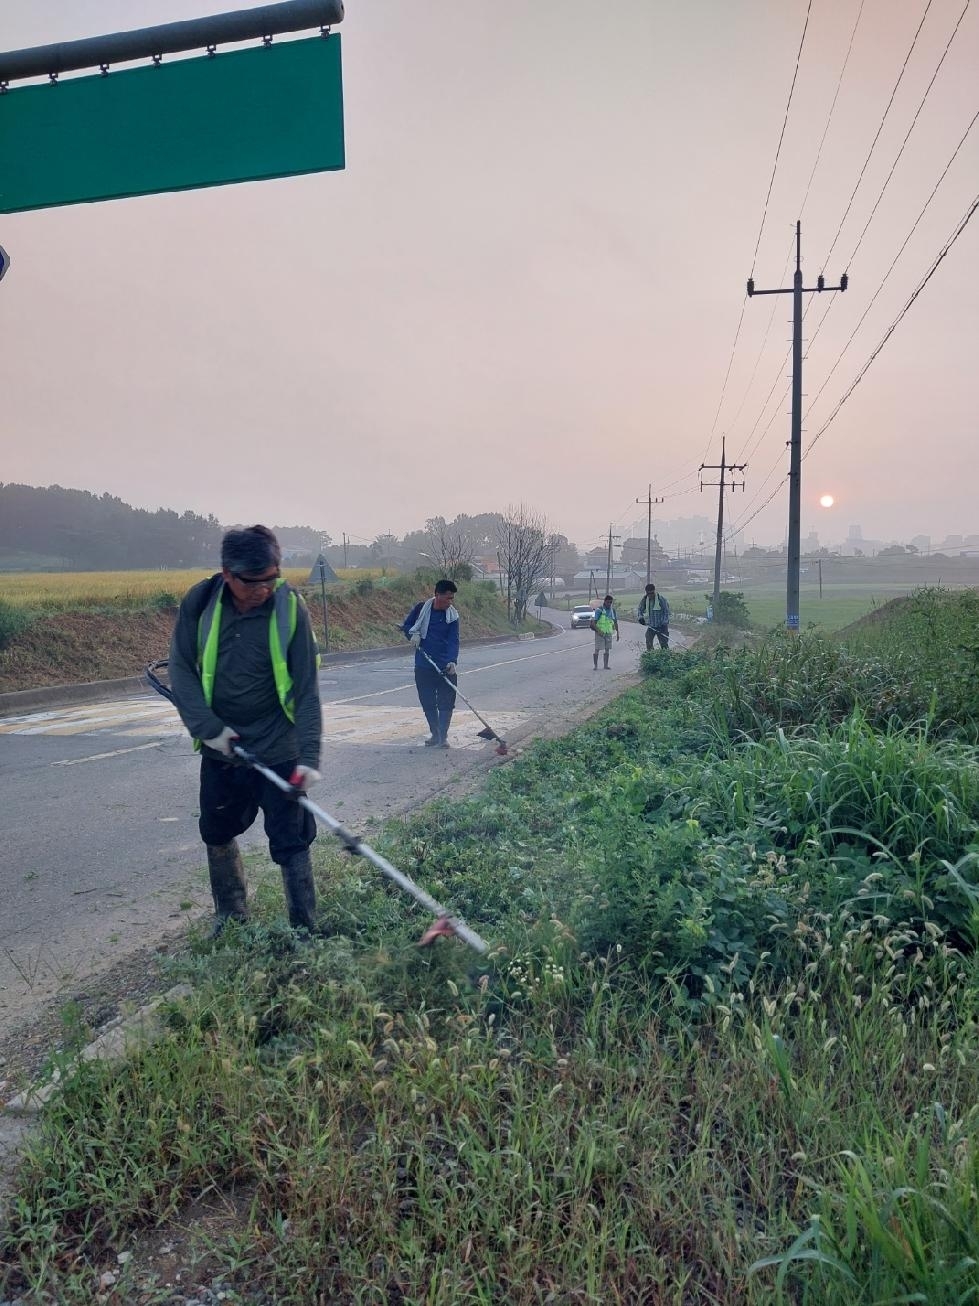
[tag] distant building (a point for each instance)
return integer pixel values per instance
(623, 579)
(634, 552)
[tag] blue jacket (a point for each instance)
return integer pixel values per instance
(442, 641)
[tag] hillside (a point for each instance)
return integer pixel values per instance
(79, 645)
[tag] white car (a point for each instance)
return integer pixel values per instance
(581, 615)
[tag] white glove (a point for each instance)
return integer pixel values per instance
(416, 640)
(450, 668)
(222, 743)
(304, 777)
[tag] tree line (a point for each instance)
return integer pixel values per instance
(74, 530)
(54, 528)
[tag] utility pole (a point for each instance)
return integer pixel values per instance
(795, 442)
(344, 548)
(723, 468)
(649, 532)
(608, 569)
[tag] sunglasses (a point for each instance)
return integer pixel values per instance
(264, 582)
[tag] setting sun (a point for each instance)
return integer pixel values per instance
(826, 501)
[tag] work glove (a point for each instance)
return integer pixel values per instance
(450, 668)
(642, 621)
(222, 743)
(416, 640)
(304, 777)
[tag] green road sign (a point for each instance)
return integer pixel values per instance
(245, 115)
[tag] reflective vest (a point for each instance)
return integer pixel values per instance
(282, 627)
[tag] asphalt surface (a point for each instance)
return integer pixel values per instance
(101, 855)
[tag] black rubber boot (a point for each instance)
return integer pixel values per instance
(227, 884)
(297, 879)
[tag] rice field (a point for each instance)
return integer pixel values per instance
(52, 591)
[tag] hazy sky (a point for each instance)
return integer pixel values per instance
(527, 283)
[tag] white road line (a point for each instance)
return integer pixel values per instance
(98, 757)
(473, 671)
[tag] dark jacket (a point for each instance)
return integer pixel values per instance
(245, 697)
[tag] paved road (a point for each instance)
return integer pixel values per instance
(100, 853)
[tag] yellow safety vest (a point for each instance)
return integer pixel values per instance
(282, 627)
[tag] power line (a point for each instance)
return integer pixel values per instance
(829, 119)
(909, 131)
(761, 351)
(727, 374)
(880, 128)
(788, 105)
(740, 525)
(764, 214)
(904, 243)
(832, 301)
(893, 327)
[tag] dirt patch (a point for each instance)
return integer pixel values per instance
(71, 648)
(76, 647)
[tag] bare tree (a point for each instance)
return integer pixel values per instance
(450, 550)
(526, 550)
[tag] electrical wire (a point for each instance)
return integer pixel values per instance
(739, 526)
(880, 128)
(829, 119)
(754, 370)
(781, 138)
(764, 215)
(883, 282)
(909, 131)
(893, 327)
(717, 412)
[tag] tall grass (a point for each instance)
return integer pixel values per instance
(726, 1049)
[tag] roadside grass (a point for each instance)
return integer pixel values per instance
(725, 1050)
(102, 626)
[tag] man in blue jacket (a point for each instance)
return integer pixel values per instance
(433, 628)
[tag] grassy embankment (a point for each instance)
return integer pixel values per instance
(63, 628)
(726, 1049)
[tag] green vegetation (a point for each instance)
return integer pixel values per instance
(726, 1049)
(64, 628)
(839, 606)
(12, 622)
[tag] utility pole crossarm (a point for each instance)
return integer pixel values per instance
(649, 532)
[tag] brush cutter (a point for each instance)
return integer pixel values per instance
(445, 924)
(489, 732)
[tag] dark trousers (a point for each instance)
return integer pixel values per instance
(436, 698)
(232, 795)
(652, 634)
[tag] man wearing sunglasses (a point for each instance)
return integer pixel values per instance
(243, 664)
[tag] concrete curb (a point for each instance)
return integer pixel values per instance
(114, 1042)
(95, 691)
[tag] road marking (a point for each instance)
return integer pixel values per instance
(99, 757)
(470, 671)
(79, 720)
